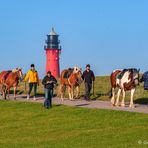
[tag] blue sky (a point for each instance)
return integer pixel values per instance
(108, 34)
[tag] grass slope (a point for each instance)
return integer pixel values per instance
(25, 124)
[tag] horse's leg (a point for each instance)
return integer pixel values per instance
(72, 93)
(131, 101)
(1, 91)
(118, 96)
(4, 91)
(123, 103)
(77, 91)
(113, 96)
(14, 88)
(3, 94)
(62, 92)
(69, 92)
(8, 93)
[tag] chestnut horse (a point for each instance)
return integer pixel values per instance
(10, 79)
(125, 80)
(72, 81)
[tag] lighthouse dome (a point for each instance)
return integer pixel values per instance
(52, 32)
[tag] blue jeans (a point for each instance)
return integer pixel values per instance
(31, 85)
(48, 98)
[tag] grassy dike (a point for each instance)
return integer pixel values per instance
(26, 124)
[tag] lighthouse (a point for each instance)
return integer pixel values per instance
(53, 50)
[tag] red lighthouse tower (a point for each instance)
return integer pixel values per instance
(52, 53)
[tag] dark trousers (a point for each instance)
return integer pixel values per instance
(88, 87)
(48, 98)
(32, 85)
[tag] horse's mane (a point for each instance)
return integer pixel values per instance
(15, 70)
(130, 70)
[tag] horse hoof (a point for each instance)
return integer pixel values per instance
(113, 104)
(122, 105)
(117, 105)
(132, 106)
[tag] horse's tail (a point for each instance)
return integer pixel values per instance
(4, 88)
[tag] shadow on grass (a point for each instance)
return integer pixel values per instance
(98, 95)
(85, 104)
(141, 101)
(20, 92)
(57, 105)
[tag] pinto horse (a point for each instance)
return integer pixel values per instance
(10, 79)
(72, 81)
(124, 80)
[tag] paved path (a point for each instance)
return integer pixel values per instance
(91, 104)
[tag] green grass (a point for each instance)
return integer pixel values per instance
(25, 124)
(102, 87)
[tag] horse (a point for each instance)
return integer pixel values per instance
(10, 79)
(71, 78)
(124, 80)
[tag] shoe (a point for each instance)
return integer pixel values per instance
(87, 98)
(34, 98)
(28, 97)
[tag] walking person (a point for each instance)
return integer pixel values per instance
(33, 80)
(48, 81)
(89, 78)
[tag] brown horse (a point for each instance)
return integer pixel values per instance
(9, 79)
(124, 80)
(72, 81)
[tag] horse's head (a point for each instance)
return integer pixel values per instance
(79, 75)
(76, 69)
(135, 75)
(19, 73)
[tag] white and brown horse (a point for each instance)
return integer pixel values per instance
(124, 80)
(71, 78)
(10, 79)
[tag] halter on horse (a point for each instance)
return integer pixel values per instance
(125, 80)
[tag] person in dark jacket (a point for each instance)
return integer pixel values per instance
(145, 79)
(89, 78)
(49, 81)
